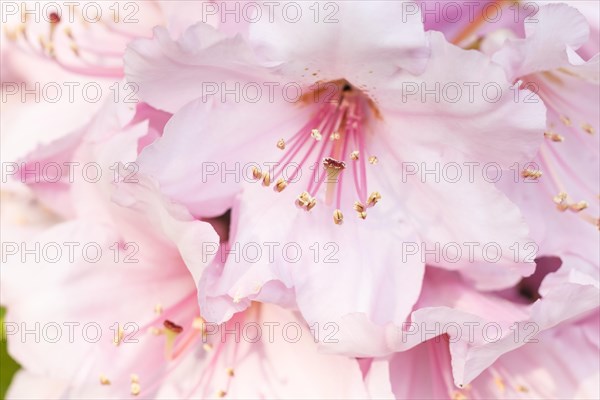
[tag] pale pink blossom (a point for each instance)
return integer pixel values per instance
(536, 340)
(561, 364)
(363, 128)
(397, 312)
(61, 62)
(562, 207)
(150, 289)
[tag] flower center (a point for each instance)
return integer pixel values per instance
(336, 138)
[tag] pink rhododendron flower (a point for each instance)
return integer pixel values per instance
(160, 347)
(62, 62)
(569, 86)
(345, 149)
(531, 372)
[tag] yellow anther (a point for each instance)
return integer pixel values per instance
(75, 49)
(580, 206)
(555, 137)
(338, 217)
(373, 199)
(458, 396)
(500, 383)
(155, 331)
(280, 185)
(531, 173)
(302, 199)
(10, 34)
(565, 120)
(256, 173)
(587, 128)
(561, 201)
(315, 134)
(522, 389)
(135, 388)
(119, 336)
(306, 201)
(266, 179)
(198, 324)
(359, 207)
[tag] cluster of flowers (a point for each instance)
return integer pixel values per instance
(299, 203)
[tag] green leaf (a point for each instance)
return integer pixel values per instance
(8, 366)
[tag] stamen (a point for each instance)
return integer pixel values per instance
(373, 160)
(281, 144)
(104, 380)
(354, 155)
(338, 217)
(555, 137)
(306, 201)
(580, 206)
(280, 185)
(458, 396)
(135, 388)
(373, 199)
(471, 28)
(560, 200)
(75, 49)
(315, 134)
(587, 128)
(230, 372)
(47, 46)
(199, 324)
(155, 331)
(10, 34)
(135, 385)
(256, 173)
(531, 173)
(266, 179)
(500, 383)
(565, 120)
(360, 209)
(522, 389)
(119, 338)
